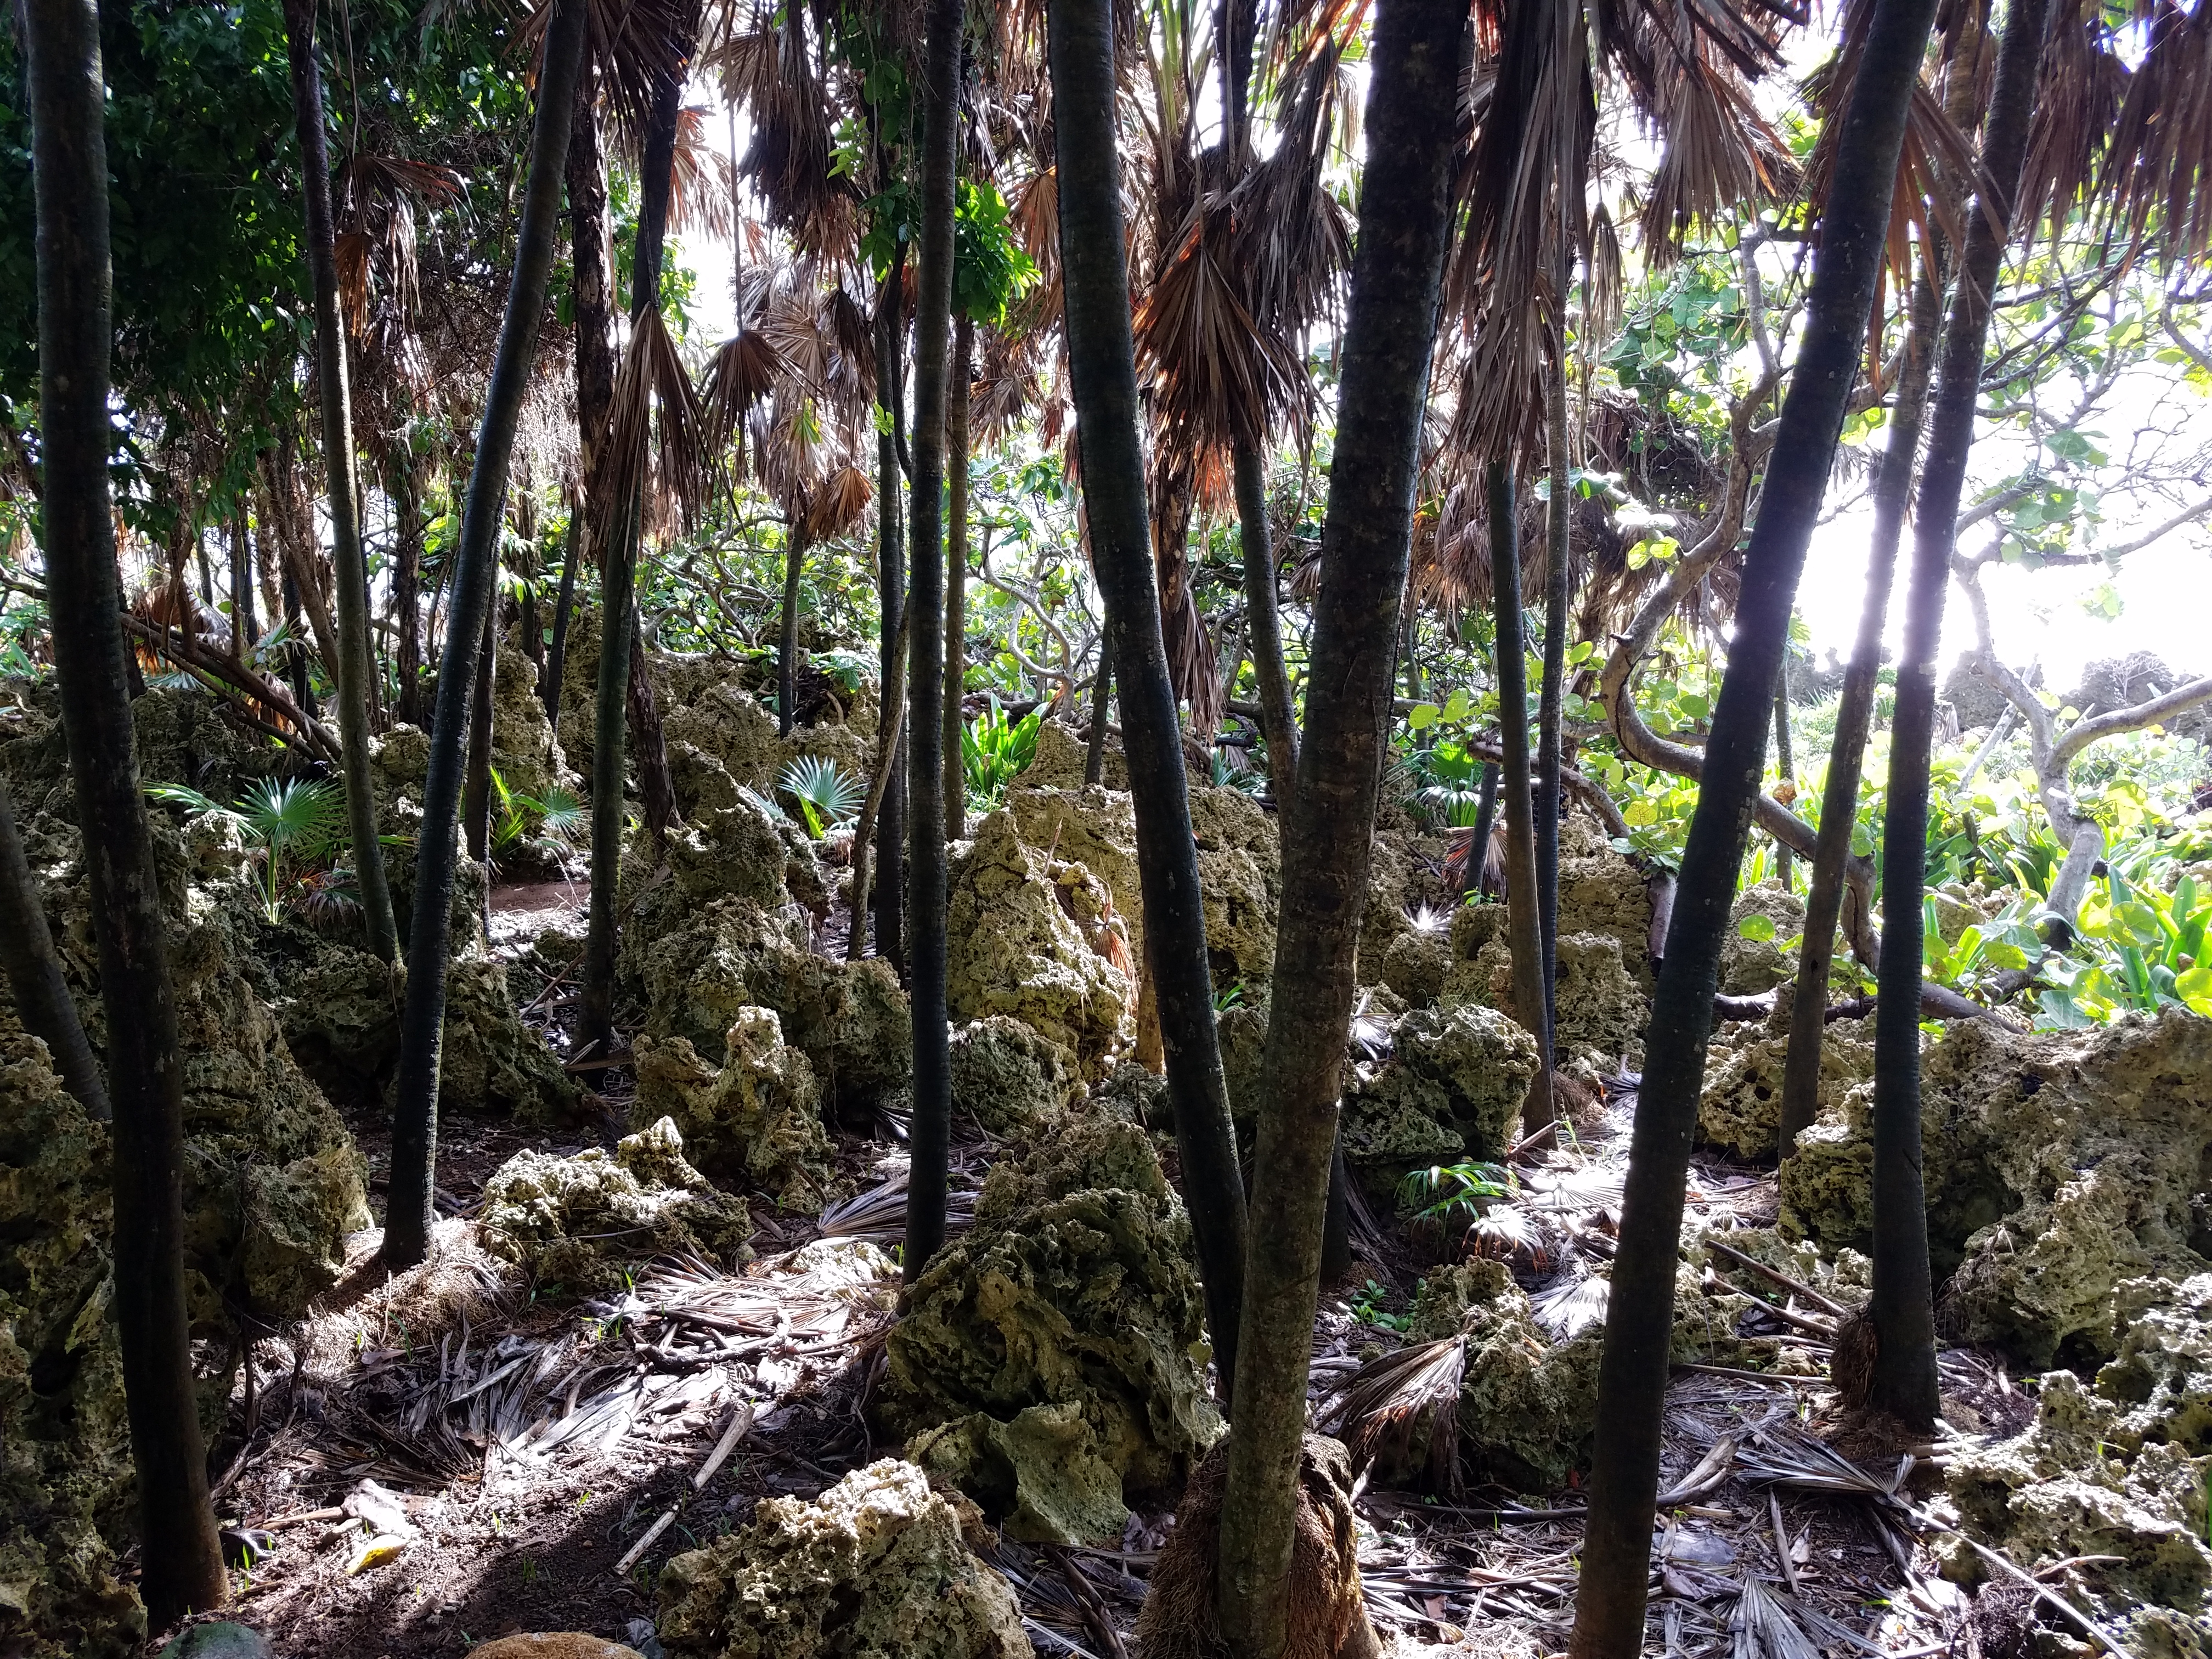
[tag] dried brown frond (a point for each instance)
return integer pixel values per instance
(701, 195)
(1720, 153)
(2158, 172)
(743, 371)
(839, 503)
(1401, 1414)
(774, 68)
(654, 466)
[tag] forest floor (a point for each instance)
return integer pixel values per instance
(530, 1460)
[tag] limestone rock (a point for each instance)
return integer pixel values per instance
(1135, 1094)
(2059, 1165)
(757, 1121)
(524, 751)
(574, 1221)
(1075, 1288)
(224, 1640)
(1601, 1010)
(1750, 965)
(1242, 1031)
(1062, 754)
(1741, 1108)
(1604, 891)
(1094, 827)
(1013, 949)
(1008, 1078)
(2161, 1378)
(875, 1568)
(1240, 875)
(1454, 1083)
(1394, 881)
(1416, 964)
(728, 725)
(1041, 1471)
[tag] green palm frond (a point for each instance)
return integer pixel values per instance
(826, 796)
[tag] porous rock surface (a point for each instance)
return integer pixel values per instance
(1741, 1107)
(1015, 947)
(877, 1567)
(1750, 965)
(576, 1221)
(754, 1120)
(2059, 1166)
(1453, 1086)
(1050, 1360)
(1010, 1080)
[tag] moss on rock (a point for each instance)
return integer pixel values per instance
(1741, 1107)
(754, 1120)
(1455, 1083)
(1010, 1080)
(877, 1567)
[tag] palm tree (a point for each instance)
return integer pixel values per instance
(1523, 903)
(180, 1553)
(1328, 830)
(353, 667)
(1902, 1305)
(1632, 1373)
(957, 438)
(34, 975)
(415, 1114)
(1102, 368)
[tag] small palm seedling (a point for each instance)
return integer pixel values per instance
(994, 751)
(295, 821)
(554, 820)
(1228, 775)
(825, 796)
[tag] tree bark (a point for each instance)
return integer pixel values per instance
(564, 608)
(1102, 367)
(354, 666)
(244, 632)
(595, 352)
(786, 656)
(956, 572)
(407, 586)
(1903, 1305)
(931, 1137)
(1485, 820)
(1524, 925)
(475, 789)
(1632, 1374)
(415, 1117)
(1551, 697)
(1278, 722)
(35, 977)
(180, 1553)
(595, 1022)
(1839, 798)
(1785, 769)
(888, 897)
(1101, 695)
(656, 786)
(1328, 830)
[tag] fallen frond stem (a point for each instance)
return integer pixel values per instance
(1825, 1303)
(1709, 1475)
(230, 676)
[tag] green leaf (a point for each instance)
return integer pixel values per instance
(1756, 927)
(1422, 715)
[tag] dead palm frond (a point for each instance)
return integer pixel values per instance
(1571, 1306)
(772, 69)
(702, 189)
(878, 1215)
(1783, 1456)
(2159, 168)
(1402, 1412)
(654, 464)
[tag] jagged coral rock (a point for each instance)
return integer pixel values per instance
(1242, 1032)
(2162, 1375)
(524, 751)
(1014, 949)
(1601, 1011)
(2071, 1487)
(1417, 963)
(2059, 1165)
(1240, 876)
(1010, 1080)
(877, 1567)
(574, 1221)
(1394, 882)
(1136, 1095)
(726, 724)
(1094, 827)
(1454, 1083)
(1074, 1288)
(1063, 753)
(1041, 1470)
(1527, 1406)
(1604, 891)
(756, 1120)
(1741, 1107)
(1749, 965)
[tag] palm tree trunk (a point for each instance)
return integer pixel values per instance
(888, 896)
(34, 975)
(1278, 723)
(1839, 796)
(1902, 1306)
(1102, 694)
(1523, 903)
(656, 786)
(931, 1138)
(354, 666)
(786, 656)
(1102, 366)
(415, 1114)
(956, 571)
(476, 790)
(564, 607)
(1485, 820)
(407, 587)
(178, 1552)
(303, 681)
(595, 1024)
(243, 628)
(1328, 830)
(1551, 697)
(1785, 769)
(1632, 1374)
(595, 352)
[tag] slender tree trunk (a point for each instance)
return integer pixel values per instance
(354, 667)
(931, 1134)
(956, 571)
(297, 655)
(1278, 723)
(1101, 695)
(407, 586)
(1840, 797)
(786, 656)
(656, 786)
(564, 607)
(1523, 903)
(1103, 374)
(1902, 1306)
(415, 1117)
(206, 571)
(35, 978)
(475, 789)
(595, 1022)
(178, 1551)
(1551, 697)
(595, 352)
(243, 628)
(1485, 820)
(889, 896)
(1785, 766)
(1329, 829)
(1632, 1374)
